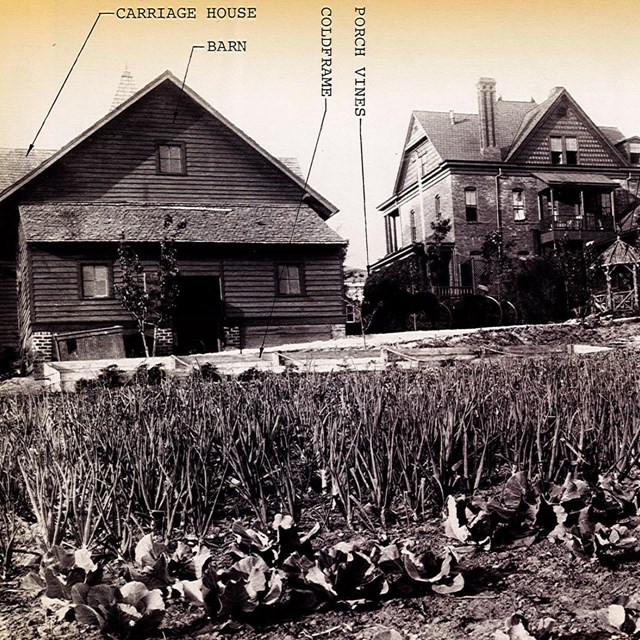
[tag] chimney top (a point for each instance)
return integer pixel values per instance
(486, 84)
(125, 90)
(452, 116)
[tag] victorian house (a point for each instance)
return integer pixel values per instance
(537, 173)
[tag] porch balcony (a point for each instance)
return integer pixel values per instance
(576, 212)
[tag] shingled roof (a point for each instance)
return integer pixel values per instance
(514, 121)
(461, 141)
(15, 163)
(244, 224)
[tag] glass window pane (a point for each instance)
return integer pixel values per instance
(556, 143)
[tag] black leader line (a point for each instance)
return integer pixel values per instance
(84, 44)
(364, 197)
(295, 222)
(184, 80)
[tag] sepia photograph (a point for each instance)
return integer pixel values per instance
(320, 319)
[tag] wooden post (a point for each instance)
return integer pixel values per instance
(607, 275)
(635, 286)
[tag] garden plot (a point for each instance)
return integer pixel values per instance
(347, 505)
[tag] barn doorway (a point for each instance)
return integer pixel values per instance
(197, 319)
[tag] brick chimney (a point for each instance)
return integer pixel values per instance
(487, 117)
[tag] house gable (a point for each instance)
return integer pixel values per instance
(560, 116)
(419, 154)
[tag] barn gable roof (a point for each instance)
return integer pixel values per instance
(325, 208)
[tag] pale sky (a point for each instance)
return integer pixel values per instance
(419, 55)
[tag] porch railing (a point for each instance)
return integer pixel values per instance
(619, 301)
(589, 222)
(452, 292)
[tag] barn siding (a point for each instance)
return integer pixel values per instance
(248, 285)
(118, 163)
(8, 306)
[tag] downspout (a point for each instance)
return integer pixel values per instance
(499, 224)
(498, 209)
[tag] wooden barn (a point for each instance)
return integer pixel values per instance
(256, 256)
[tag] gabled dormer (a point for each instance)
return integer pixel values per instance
(419, 155)
(559, 132)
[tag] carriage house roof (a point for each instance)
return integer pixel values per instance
(15, 164)
(238, 224)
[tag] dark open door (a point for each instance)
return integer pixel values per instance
(197, 317)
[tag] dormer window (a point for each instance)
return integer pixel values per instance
(171, 159)
(556, 149)
(571, 150)
(564, 150)
(634, 152)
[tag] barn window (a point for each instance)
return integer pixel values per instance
(289, 279)
(471, 204)
(351, 313)
(634, 152)
(171, 159)
(96, 281)
(518, 204)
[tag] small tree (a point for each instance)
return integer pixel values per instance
(151, 301)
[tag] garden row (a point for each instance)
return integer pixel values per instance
(104, 467)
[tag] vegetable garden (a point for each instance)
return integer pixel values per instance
(126, 488)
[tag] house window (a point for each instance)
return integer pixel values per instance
(96, 281)
(289, 279)
(466, 274)
(471, 205)
(556, 149)
(412, 220)
(605, 204)
(437, 205)
(634, 152)
(571, 150)
(171, 159)
(518, 204)
(423, 164)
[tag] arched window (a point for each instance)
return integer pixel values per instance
(437, 205)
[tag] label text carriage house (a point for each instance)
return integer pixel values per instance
(538, 173)
(256, 251)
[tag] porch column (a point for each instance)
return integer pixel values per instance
(553, 204)
(581, 211)
(540, 207)
(613, 210)
(635, 286)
